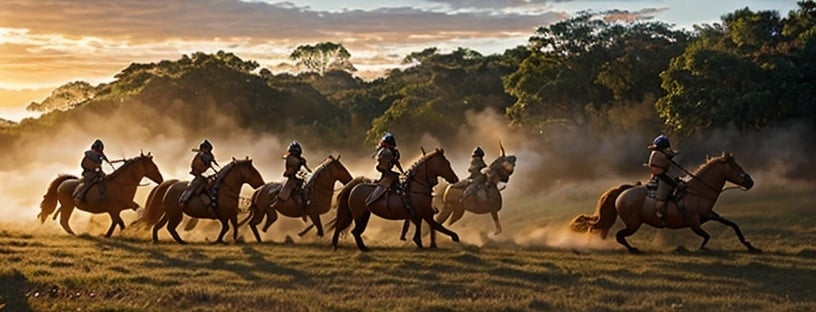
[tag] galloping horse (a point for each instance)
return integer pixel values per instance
(421, 178)
(320, 187)
(635, 208)
(119, 189)
(163, 207)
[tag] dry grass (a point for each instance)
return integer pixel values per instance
(57, 272)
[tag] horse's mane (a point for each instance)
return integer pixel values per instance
(708, 164)
(420, 162)
(224, 171)
(127, 163)
(318, 171)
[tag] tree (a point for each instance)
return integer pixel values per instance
(323, 57)
(65, 97)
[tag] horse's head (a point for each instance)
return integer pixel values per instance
(337, 170)
(247, 172)
(503, 167)
(151, 171)
(439, 166)
(734, 172)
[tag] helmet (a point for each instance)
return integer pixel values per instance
(97, 145)
(661, 142)
(206, 145)
(389, 139)
(295, 148)
(478, 152)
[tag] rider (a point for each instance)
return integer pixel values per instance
(659, 162)
(387, 157)
(203, 160)
(477, 178)
(91, 170)
(293, 161)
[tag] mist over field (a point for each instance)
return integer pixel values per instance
(558, 175)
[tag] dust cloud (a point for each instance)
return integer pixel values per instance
(559, 173)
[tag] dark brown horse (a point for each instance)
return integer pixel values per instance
(420, 180)
(320, 188)
(634, 208)
(119, 189)
(163, 207)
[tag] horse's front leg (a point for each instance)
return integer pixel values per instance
(65, 211)
(315, 217)
(224, 229)
(115, 220)
(737, 231)
(436, 226)
(418, 233)
(405, 225)
(234, 221)
(495, 215)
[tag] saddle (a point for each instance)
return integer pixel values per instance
(676, 196)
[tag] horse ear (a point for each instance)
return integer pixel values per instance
(338, 157)
(708, 158)
(141, 153)
(440, 151)
(423, 150)
(233, 158)
(501, 148)
(247, 157)
(331, 157)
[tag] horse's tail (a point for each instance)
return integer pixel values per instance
(344, 217)
(154, 209)
(605, 213)
(49, 202)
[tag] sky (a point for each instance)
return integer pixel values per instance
(47, 43)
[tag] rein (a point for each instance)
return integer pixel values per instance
(693, 176)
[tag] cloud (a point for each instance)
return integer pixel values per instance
(51, 42)
(632, 16)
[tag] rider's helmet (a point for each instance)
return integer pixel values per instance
(205, 146)
(97, 145)
(295, 148)
(389, 140)
(478, 152)
(661, 142)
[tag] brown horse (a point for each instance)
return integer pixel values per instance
(420, 180)
(119, 189)
(703, 188)
(163, 207)
(486, 200)
(320, 187)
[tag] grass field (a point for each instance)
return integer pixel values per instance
(52, 271)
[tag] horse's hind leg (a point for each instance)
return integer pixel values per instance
(257, 217)
(436, 226)
(737, 231)
(234, 222)
(360, 225)
(623, 233)
(271, 217)
(172, 223)
(65, 211)
(158, 226)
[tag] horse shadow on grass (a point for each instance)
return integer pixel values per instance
(13, 287)
(154, 256)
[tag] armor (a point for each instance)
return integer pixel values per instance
(292, 162)
(477, 178)
(660, 160)
(92, 172)
(387, 158)
(202, 161)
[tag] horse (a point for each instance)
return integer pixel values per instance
(119, 190)
(420, 180)
(320, 188)
(486, 200)
(634, 208)
(163, 207)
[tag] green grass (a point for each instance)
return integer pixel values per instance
(58, 272)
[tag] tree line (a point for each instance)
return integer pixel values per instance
(754, 70)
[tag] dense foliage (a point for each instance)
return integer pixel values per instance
(754, 70)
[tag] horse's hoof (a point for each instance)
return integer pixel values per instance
(634, 251)
(497, 232)
(433, 246)
(455, 238)
(365, 249)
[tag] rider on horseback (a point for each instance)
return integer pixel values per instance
(91, 170)
(387, 157)
(293, 161)
(659, 162)
(477, 178)
(203, 160)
